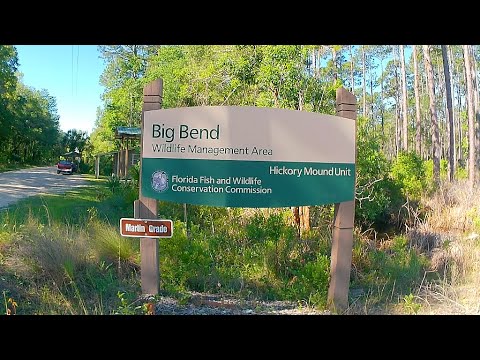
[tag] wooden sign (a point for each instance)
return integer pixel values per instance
(146, 228)
(247, 156)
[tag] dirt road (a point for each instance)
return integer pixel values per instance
(16, 185)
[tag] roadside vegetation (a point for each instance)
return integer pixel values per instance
(13, 166)
(417, 211)
(62, 254)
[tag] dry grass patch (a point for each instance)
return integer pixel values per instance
(449, 237)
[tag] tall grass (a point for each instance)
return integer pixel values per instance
(67, 257)
(264, 258)
(52, 263)
(451, 231)
(433, 268)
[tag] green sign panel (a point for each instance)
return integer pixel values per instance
(247, 157)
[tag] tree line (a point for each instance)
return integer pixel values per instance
(29, 122)
(420, 99)
(424, 102)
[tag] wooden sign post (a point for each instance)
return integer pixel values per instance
(146, 208)
(180, 149)
(343, 218)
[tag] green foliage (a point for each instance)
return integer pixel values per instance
(8, 83)
(198, 75)
(213, 249)
(134, 173)
(264, 258)
(184, 261)
(65, 254)
(30, 132)
(409, 173)
(410, 305)
(207, 217)
(113, 183)
(110, 246)
(311, 282)
(126, 307)
(377, 195)
(75, 140)
(284, 83)
(106, 165)
(125, 67)
(85, 168)
(272, 227)
(261, 256)
(428, 166)
(395, 267)
(461, 173)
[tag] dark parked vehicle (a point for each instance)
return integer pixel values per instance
(66, 167)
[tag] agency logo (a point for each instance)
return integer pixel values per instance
(160, 181)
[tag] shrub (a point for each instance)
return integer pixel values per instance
(134, 172)
(461, 173)
(113, 183)
(56, 252)
(106, 165)
(311, 282)
(109, 246)
(428, 166)
(185, 261)
(377, 196)
(85, 168)
(129, 192)
(408, 171)
(271, 227)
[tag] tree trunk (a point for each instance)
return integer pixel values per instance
(397, 129)
(381, 101)
(475, 104)
(460, 130)
(364, 89)
(425, 133)
(352, 78)
(334, 63)
(404, 101)
(455, 115)
(442, 124)
(418, 124)
(304, 215)
(451, 130)
(397, 108)
(371, 98)
(433, 115)
(296, 217)
(471, 116)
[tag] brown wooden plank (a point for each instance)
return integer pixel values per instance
(344, 215)
(146, 208)
(341, 263)
(342, 234)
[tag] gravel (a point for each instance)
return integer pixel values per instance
(19, 184)
(215, 304)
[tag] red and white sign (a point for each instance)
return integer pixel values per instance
(146, 228)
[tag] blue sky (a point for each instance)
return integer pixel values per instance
(70, 73)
